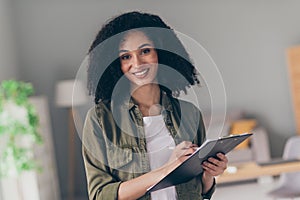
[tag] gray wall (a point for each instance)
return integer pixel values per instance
(246, 39)
(8, 57)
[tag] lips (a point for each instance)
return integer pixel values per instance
(141, 73)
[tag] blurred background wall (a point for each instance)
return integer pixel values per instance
(45, 41)
(8, 57)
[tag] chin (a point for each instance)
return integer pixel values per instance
(140, 83)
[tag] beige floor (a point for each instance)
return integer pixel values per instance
(245, 191)
(241, 191)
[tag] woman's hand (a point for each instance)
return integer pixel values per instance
(215, 166)
(212, 167)
(182, 151)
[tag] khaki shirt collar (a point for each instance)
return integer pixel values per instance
(165, 102)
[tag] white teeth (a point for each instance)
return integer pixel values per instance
(141, 73)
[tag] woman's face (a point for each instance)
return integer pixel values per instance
(139, 61)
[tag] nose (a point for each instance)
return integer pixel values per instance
(136, 61)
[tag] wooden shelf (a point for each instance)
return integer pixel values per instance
(293, 57)
(251, 170)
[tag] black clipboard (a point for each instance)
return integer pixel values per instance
(192, 166)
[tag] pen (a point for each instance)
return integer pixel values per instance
(172, 148)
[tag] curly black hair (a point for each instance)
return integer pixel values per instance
(104, 68)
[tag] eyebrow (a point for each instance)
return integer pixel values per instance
(140, 47)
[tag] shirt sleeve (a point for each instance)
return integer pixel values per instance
(210, 192)
(101, 183)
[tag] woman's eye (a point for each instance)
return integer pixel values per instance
(125, 57)
(146, 51)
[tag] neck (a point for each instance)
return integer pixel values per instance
(147, 98)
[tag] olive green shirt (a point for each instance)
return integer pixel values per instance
(114, 145)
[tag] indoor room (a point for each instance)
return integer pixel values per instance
(247, 54)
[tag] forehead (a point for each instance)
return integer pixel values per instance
(133, 40)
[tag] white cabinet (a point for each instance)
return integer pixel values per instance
(36, 185)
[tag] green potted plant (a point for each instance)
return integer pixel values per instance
(18, 129)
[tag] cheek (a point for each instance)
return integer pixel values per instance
(155, 58)
(124, 68)
(155, 69)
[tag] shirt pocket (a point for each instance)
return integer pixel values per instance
(118, 157)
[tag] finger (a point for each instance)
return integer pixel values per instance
(184, 152)
(183, 158)
(216, 165)
(214, 161)
(186, 145)
(222, 157)
(210, 165)
(210, 171)
(188, 151)
(219, 163)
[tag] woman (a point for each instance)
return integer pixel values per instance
(138, 131)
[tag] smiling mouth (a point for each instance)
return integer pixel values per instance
(141, 73)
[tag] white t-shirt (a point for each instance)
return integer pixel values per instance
(160, 145)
